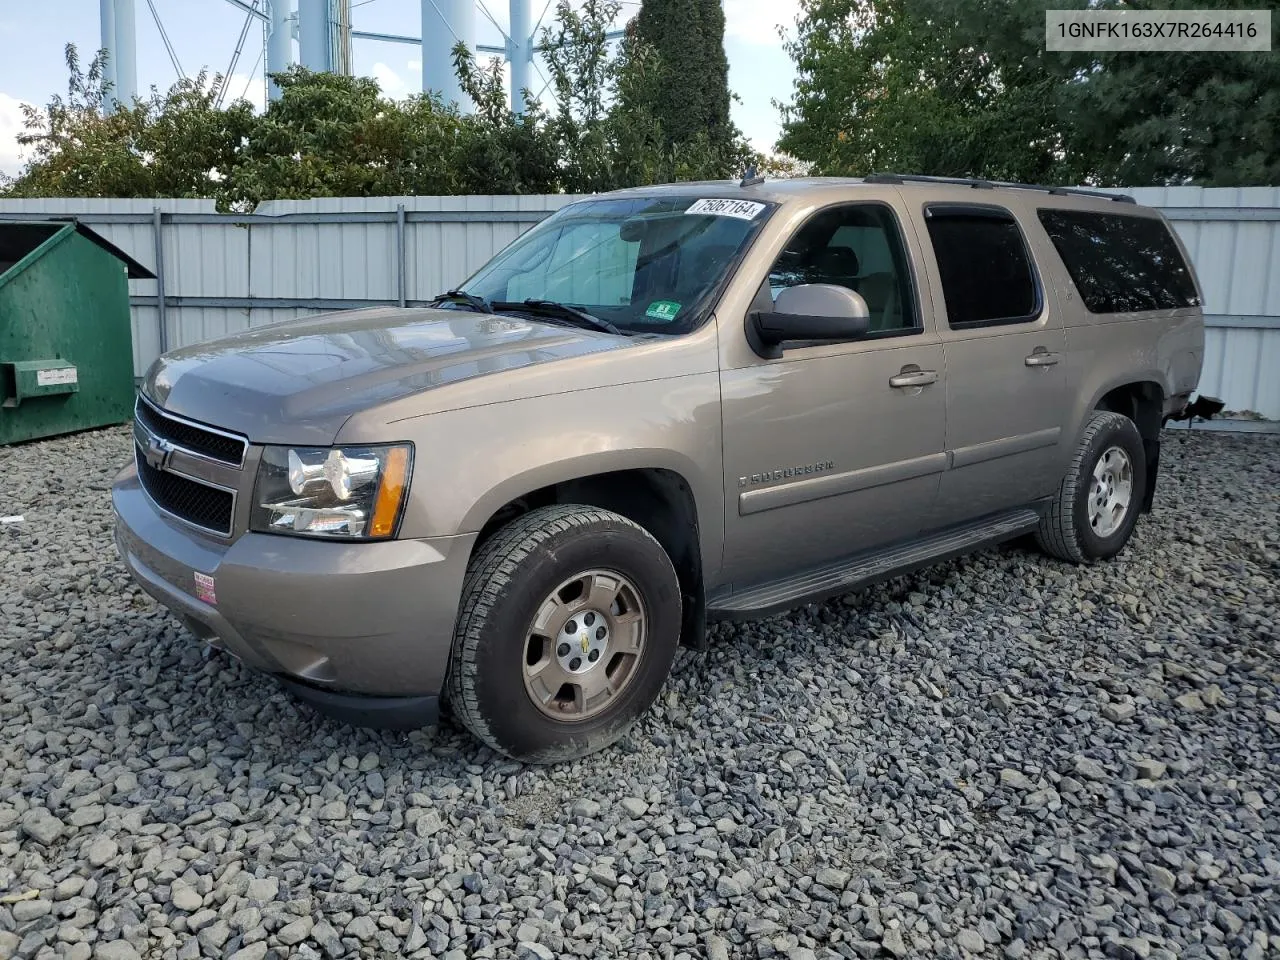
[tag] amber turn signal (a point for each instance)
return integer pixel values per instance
(395, 480)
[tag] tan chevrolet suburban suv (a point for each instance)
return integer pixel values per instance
(657, 407)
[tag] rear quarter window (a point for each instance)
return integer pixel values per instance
(1121, 263)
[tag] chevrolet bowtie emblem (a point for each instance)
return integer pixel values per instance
(158, 452)
(585, 640)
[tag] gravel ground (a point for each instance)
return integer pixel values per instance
(1004, 756)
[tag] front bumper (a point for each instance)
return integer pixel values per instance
(360, 710)
(344, 624)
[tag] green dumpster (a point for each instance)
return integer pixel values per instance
(66, 342)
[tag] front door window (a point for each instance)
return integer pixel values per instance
(858, 246)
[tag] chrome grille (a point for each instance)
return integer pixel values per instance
(187, 499)
(195, 438)
(190, 471)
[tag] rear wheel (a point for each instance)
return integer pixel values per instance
(569, 623)
(1098, 503)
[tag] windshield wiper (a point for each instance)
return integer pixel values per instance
(562, 311)
(479, 304)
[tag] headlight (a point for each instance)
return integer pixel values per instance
(347, 492)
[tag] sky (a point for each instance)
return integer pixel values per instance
(203, 33)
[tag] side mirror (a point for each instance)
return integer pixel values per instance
(810, 311)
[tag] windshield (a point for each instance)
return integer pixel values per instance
(646, 265)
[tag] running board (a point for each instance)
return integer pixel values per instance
(865, 569)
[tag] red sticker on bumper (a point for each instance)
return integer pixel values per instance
(205, 589)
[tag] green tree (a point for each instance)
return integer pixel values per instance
(499, 151)
(609, 131)
(689, 92)
(327, 135)
(966, 88)
(908, 85)
(1211, 119)
(335, 136)
(176, 144)
(780, 166)
(332, 135)
(583, 81)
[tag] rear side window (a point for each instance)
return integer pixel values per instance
(986, 271)
(1121, 263)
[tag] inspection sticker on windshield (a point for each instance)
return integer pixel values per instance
(663, 310)
(742, 209)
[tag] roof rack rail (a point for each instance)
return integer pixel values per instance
(992, 184)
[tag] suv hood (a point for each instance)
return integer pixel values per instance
(298, 382)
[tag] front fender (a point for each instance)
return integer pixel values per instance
(469, 463)
(578, 468)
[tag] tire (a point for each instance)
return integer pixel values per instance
(525, 571)
(1067, 530)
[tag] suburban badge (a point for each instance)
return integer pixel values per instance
(786, 473)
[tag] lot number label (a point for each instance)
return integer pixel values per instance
(742, 209)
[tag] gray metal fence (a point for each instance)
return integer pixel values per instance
(222, 273)
(1233, 237)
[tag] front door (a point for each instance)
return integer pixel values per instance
(1005, 351)
(835, 448)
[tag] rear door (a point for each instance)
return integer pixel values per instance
(1004, 348)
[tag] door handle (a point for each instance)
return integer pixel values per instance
(1042, 359)
(916, 378)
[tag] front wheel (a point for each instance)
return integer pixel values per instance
(569, 623)
(1098, 503)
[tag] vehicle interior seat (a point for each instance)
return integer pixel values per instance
(708, 262)
(838, 265)
(880, 291)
